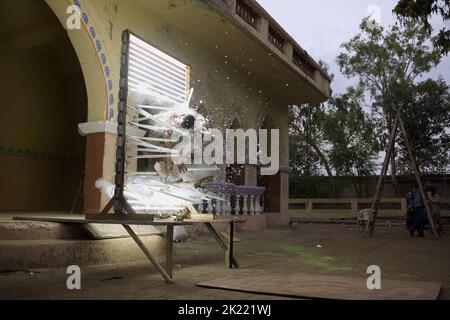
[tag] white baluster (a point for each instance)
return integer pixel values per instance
(227, 205)
(262, 204)
(258, 208)
(252, 205)
(237, 206)
(210, 207)
(245, 208)
(215, 206)
(220, 205)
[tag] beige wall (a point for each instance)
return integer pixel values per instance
(42, 156)
(348, 207)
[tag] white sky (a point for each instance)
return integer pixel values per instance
(321, 26)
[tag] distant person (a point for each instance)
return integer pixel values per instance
(435, 200)
(410, 208)
(419, 220)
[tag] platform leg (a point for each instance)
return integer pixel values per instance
(230, 247)
(148, 254)
(169, 249)
(222, 244)
(108, 206)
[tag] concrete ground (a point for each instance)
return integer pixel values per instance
(315, 249)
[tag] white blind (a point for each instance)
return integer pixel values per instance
(152, 70)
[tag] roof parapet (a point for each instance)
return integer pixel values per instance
(254, 15)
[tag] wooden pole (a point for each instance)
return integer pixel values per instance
(380, 185)
(417, 174)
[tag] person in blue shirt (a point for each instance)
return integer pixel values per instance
(410, 208)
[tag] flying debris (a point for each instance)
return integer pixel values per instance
(172, 190)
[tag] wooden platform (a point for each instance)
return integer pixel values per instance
(166, 272)
(306, 286)
(81, 220)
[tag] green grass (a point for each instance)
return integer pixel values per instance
(312, 257)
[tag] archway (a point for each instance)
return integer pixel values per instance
(201, 109)
(235, 173)
(272, 200)
(43, 100)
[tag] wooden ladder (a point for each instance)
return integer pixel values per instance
(380, 185)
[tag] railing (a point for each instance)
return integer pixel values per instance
(276, 39)
(302, 62)
(229, 199)
(247, 13)
(349, 207)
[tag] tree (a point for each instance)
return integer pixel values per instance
(351, 135)
(423, 10)
(426, 113)
(388, 63)
(307, 145)
(337, 138)
(354, 145)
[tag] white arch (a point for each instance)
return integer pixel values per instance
(235, 116)
(94, 62)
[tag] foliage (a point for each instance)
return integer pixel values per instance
(338, 139)
(426, 113)
(389, 64)
(423, 10)
(381, 59)
(307, 144)
(342, 138)
(354, 146)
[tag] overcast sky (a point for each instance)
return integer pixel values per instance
(321, 26)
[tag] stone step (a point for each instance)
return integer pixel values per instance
(25, 230)
(55, 253)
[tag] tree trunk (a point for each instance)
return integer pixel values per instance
(319, 153)
(321, 157)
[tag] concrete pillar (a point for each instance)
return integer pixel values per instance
(100, 160)
(277, 199)
(289, 51)
(251, 173)
(263, 28)
(284, 191)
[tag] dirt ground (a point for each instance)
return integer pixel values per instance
(316, 249)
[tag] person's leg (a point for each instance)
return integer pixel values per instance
(409, 219)
(413, 225)
(420, 222)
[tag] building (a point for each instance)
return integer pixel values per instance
(245, 69)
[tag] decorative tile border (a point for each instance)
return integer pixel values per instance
(37, 154)
(106, 69)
